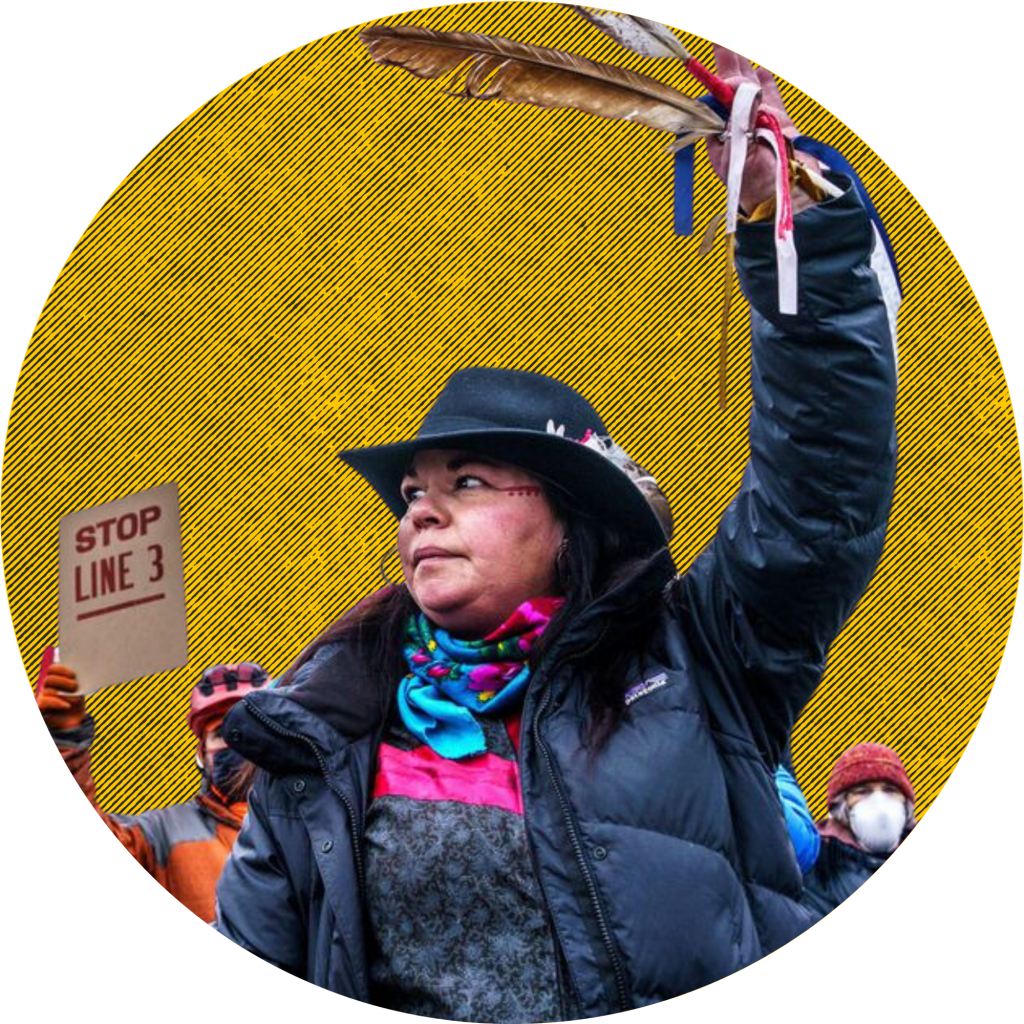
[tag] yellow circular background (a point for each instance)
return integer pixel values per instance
(301, 263)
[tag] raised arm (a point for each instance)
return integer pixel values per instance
(73, 732)
(797, 546)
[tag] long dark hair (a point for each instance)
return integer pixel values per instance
(376, 626)
(597, 557)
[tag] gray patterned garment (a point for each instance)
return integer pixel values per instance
(454, 906)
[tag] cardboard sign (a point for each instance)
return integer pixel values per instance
(122, 589)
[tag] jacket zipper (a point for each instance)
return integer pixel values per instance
(577, 846)
(568, 1003)
(357, 851)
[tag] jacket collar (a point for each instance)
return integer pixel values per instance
(276, 732)
(839, 837)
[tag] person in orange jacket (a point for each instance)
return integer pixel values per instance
(183, 846)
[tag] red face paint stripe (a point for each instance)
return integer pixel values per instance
(523, 491)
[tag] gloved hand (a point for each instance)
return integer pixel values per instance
(62, 708)
(761, 166)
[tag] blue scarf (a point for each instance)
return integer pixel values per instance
(450, 681)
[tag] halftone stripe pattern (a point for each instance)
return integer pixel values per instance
(299, 266)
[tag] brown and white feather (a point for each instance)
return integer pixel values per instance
(489, 67)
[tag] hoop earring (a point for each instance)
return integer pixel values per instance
(382, 566)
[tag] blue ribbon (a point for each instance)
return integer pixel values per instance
(682, 200)
(837, 162)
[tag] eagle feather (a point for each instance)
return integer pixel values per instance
(489, 67)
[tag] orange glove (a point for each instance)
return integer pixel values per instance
(61, 707)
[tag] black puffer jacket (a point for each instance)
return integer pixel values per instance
(664, 861)
(838, 873)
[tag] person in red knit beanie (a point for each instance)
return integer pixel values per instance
(870, 812)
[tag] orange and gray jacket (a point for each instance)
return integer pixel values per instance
(183, 846)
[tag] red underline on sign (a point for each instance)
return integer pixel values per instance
(120, 607)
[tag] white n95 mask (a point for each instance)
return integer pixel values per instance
(878, 821)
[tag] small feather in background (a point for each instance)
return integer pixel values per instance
(648, 38)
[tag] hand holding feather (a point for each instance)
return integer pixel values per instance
(654, 40)
(761, 166)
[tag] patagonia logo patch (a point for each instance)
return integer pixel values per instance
(648, 686)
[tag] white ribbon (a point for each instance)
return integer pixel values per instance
(739, 127)
(785, 244)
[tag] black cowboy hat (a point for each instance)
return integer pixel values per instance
(531, 421)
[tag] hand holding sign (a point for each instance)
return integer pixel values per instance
(59, 700)
(122, 591)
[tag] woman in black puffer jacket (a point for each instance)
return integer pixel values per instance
(535, 782)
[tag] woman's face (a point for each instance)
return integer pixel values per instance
(478, 538)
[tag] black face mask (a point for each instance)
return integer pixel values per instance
(226, 766)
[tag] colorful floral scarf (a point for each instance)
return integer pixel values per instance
(452, 680)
